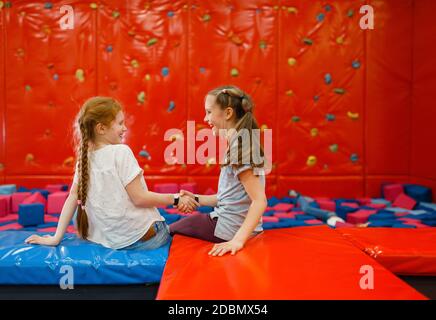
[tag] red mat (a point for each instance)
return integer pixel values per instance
(402, 251)
(296, 263)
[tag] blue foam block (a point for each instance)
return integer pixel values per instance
(8, 189)
(23, 189)
(171, 218)
(382, 223)
(205, 209)
(418, 192)
(382, 216)
(426, 206)
(273, 201)
(269, 213)
(304, 217)
(339, 201)
(31, 214)
(64, 187)
(288, 200)
(43, 192)
(343, 211)
(91, 263)
(381, 201)
(406, 226)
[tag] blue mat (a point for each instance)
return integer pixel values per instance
(92, 264)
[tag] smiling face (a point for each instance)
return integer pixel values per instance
(113, 134)
(216, 117)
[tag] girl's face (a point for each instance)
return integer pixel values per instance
(115, 133)
(216, 117)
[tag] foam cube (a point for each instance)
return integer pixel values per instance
(56, 202)
(404, 201)
(189, 186)
(360, 216)
(418, 192)
(6, 189)
(52, 188)
(327, 205)
(343, 211)
(18, 198)
(270, 219)
(3, 207)
(7, 209)
(343, 225)
(350, 204)
(166, 187)
(36, 198)
(377, 206)
(283, 207)
(31, 214)
(10, 226)
(285, 215)
(313, 222)
(364, 201)
(43, 192)
(392, 191)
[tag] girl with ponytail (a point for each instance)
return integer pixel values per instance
(241, 200)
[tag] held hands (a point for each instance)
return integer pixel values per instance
(46, 240)
(187, 202)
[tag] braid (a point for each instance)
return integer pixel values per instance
(82, 218)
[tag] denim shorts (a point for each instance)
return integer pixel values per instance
(161, 238)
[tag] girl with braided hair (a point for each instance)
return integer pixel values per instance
(241, 200)
(114, 206)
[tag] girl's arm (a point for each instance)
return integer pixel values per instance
(144, 198)
(68, 209)
(209, 200)
(256, 192)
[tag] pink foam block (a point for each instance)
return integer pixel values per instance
(56, 201)
(392, 191)
(11, 226)
(270, 219)
(9, 217)
(3, 208)
(36, 198)
(166, 187)
(283, 207)
(350, 204)
(288, 215)
(360, 216)
(364, 201)
(404, 201)
(343, 225)
(376, 205)
(401, 214)
(172, 210)
(189, 186)
(7, 206)
(52, 188)
(18, 198)
(313, 222)
(48, 218)
(327, 205)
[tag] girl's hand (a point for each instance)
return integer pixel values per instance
(187, 202)
(221, 249)
(46, 240)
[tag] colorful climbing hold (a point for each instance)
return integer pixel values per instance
(27, 87)
(353, 115)
(68, 162)
(293, 10)
(171, 106)
(327, 8)
(316, 98)
(2, 166)
(1, 5)
(29, 157)
(339, 90)
(205, 17)
(210, 162)
(8, 4)
(355, 64)
(115, 14)
(151, 42)
(289, 93)
(147, 77)
(93, 5)
(165, 71)
(56, 77)
(48, 5)
(202, 69)
(333, 148)
(330, 117)
(308, 41)
(350, 13)
(354, 157)
(263, 127)
(314, 132)
(134, 63)
(109, 48)
(141, 97)
(234, 72)
(145, 154)
(292, 61)
(170, 14)
(320, 17)
(311, 161)
(340, 40)
(262, 44)
(234, 38)
(295, 119)
(20, 52)
(328, 78)
(46, 29)
(80, 75)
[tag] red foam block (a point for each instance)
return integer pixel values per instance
(404, 201)
(392, 191)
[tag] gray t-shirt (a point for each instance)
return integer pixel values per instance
(233, 203)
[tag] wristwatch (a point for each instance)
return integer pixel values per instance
(197, 199)
(176, 199)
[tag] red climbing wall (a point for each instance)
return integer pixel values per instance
(345, 105)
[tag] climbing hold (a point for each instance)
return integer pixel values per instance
(48, 5)
(258, 11)
(144, 154)
(350, 13)
(146, 167)
(262, 44)
(210, 162)
(320, 17)
(134, 63)
(8, 4)
(115, 14)
(205, 18)
(50, 66)
(141, 97)
(20, 52)
(354, 157)
(80, 75)
(165, 71)
(171, 106)
(353, 115)
(340, 40)
(68, 162)
(202, 70)
(263, 127)
(1, 5)
(56, 77)
(308, 41)
(327, 8)
(131, 32)
(339, 90)
(176, 136)
(293, 10)
(147, 77)
(46, 29)
(333, 148)
(330, 117)
(355, 64)
(27, 87)
(292, 62)
(316, 98)
(234, 38)
(2, 166)
(314, 132)
(29, 157)
(289, 93)
(93, 5)
(170, 14)
(311, 161)
(234, 72)
(109, 48)
(295, 119)
(151, 42)
(328, 78)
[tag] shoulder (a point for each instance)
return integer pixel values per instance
(122, 149)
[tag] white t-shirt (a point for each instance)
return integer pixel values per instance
(114, 221)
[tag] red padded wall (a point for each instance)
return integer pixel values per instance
(349, 108)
